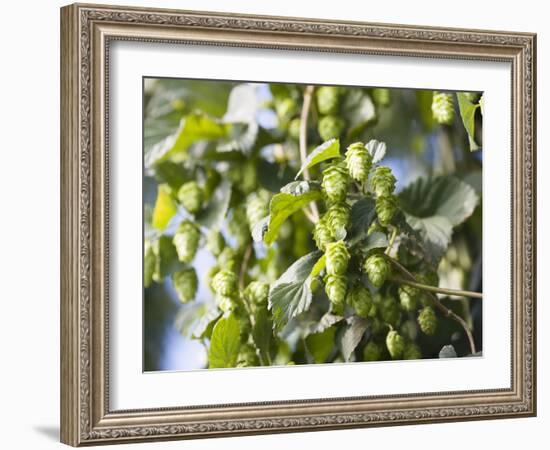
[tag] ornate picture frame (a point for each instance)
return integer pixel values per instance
(86, 34)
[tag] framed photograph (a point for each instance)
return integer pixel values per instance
(276, 224)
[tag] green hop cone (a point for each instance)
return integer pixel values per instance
(372, 352)
(322, 234)
(257, 207)
(442, 108)
(412, 351)
(285, 108)
(226, 304)
(389, 311)
(385, 209)
(228, 258)
(191, 196)
(395, 344)
(327, 99)
(360, 298)
(186, 240)
(249, 179)
(257, 292)
(335, 182)
(377, 269)
(337, 258)
(336, 287)
(408, 297)
(247, 356)
(238, 227)
(381, 96)
(427, 320)
(225, 283)
(185, 283)
(330, 127)
(215, 243)
(383, 181)
(210, 274)
(358, 161)
(294, 129)
(337, 218)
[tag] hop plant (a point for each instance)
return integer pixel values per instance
(256, 293)
(377, 269)
(381, 96)
(389, 311)
(337, 217)
(185, 283)
(360, 298)
(330, 127)
(337, 258)
(386, 208)
(225, 283)
(327, 99)
(395, 344)
(226, 304)
(336, 287)
(383, 181)
(358, 161)
(191, 196)
(408, 297)
(215, 243)
(335, 182)
(186, 240)
(257, 205)
(372, 351)
(247, 356)
(412, 351)
(322, 234)
(427, 320)
(443, 108)
(375, 227)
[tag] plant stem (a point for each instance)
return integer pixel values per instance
(442, 308)
(392, 240)
(242, 275)
(313, 213)
(439, 290)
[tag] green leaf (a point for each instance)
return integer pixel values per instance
(376, 149)
(165, 207)
(327, 320)
(376, 239)
(327, 150)
(468, 112)
(215, 211)
(172, 173)
(291, 294)
(320, 345)
(447, 351)
(362, 214)
(203, 327)
(187, 317)
(225, 343)
(274, 175)
(166, 258)
(242, 104)
(352, 334)
(192, 128)
(319, 265)
(358, 110)
(149, 262)
(282, 205)
(262, 335)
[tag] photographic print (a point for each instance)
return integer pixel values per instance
(290, 224)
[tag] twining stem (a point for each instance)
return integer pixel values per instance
(313, 213)
(242, 276)
(438, 290)
(442, 308)
(392, 240)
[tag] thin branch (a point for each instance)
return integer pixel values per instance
(392, 240)
(442, 308)
(244, 266)
(308, 95)
(439, 290)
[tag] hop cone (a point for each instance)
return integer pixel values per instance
(335, 182)
(185, 283)
(381, 96)
(294, 129)
(210, 274)
(337, 257)
(285, 108)
(238, 227)
(442, 108)
(327, 99)
(226, 304)
(225, 283)
(427, 320)
(408, 297)
(247, 356)
(191, 196)
(377, 269)
(412, 351)
(245, 326)
(256, 208)
(330, 127)
(337, 217)
(227, 259)
(186, 240)
(322, 235)
(249, 179)
(336, 287)
(389, 311)
(383, 181)
(358, 161)
(372, 352)
(359, 297)
(256, 292)
(385, 209)
(395, 344)
(215, 243)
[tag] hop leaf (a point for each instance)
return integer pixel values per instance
(443, 108)
(412, 351)
(247, 356)
(330, 127)
(381, 96)
(337, 258)
(185, 283)
(322, 234)
(215, 243)
(225, 283)
(360, 298)
(395, 344)
(372, 352)
(385, 209)
(408, 297)
(337, 218)
(335, 182)
(327, 99)
(377, 269)
(257, 205)
(358, 161)
(383, 181)
(186, 240)
(389, 311)
(427, 320)
(336, 287)
(191, 196)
